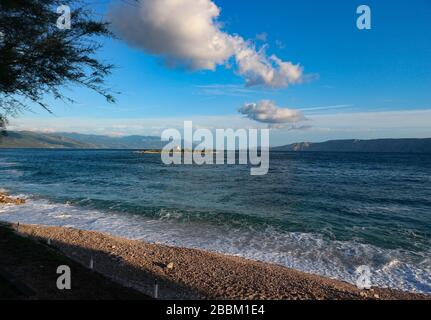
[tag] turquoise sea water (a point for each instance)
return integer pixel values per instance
(325, 213)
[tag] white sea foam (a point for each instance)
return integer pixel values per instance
(306, 252)
(7, 164)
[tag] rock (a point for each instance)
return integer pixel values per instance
(6, 199)
(170, 266)
(376, 296)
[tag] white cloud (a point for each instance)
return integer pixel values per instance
(267, 111)
(188, 33)
(259, 69)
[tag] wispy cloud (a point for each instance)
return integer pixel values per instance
(321, 108)
(224, 90)
(263, 36)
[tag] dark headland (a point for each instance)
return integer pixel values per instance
(354, 145)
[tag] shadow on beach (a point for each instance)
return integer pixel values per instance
(28, 271)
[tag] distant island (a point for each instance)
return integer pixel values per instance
(178, 149)
(377, 145)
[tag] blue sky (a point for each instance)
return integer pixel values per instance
(349, 75)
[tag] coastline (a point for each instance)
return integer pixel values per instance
(184, 273)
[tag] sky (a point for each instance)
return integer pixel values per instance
(301, 68)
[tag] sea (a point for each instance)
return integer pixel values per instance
(322, 213)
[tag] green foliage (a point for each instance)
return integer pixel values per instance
(38, 59)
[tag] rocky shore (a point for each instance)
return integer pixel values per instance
(5, 199)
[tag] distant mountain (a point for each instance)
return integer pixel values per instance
(379, 145)
(107, 142)
(66, 140)
(27, 139)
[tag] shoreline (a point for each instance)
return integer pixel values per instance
(184, 273)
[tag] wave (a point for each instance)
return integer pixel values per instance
(308, 252)
(7, 164)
